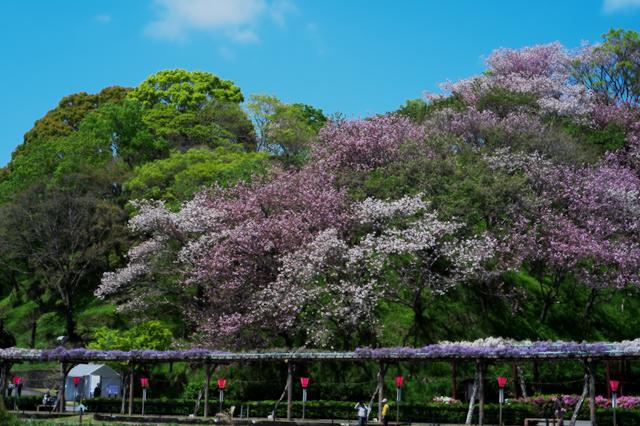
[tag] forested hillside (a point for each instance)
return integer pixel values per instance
(506, 206)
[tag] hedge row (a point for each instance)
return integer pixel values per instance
(513, 414)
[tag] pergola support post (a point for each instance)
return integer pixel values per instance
(481, 393)
(523, 385)
(454, 379)
(4, 377)
(207, 381)
(130, 390)
(63, 379)
(289, 388)
(585, 390)
(381, 372)
(592, 391)
(514, 384)
(474, 391)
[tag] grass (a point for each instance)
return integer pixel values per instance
(87, 419)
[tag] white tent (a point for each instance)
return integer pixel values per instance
(92, 375)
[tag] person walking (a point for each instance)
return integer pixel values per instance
(385, 412)
(558, 410)
(363, 413)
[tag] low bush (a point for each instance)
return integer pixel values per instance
(512, 414)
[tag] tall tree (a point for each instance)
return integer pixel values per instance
(66, 235)
(184, 90)
(287, 130)
(67, 116)
(612, 69)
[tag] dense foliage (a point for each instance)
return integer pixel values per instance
(526, 172)
(508, 205)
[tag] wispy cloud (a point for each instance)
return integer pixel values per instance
(314, 34)
(613, 6)
(237, 20)
(103, 18)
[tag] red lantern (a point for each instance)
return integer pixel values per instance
(76, 380)
(17, 380)
(502, 381)
(304, 381)
(144, 382)
(399, 381)
(614, 385)
(222, 383)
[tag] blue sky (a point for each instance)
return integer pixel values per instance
(358, 57)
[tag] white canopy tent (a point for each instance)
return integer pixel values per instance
(92, 375)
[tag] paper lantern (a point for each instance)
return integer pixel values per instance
(399, 381)
(502, 381)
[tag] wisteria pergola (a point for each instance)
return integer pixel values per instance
(481, 352)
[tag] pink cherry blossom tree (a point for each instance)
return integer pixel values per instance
(224, 247)
(398, 251)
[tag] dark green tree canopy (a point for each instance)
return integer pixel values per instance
(66, 117)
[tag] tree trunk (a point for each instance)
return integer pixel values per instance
(5, 367)
(289, 388)
(472, 398)
(523, 385)
(63, 377)
(376, 391)
(546, 304)
(380, 389)
(34, 325)
(197, 406)
(207, 381)
(454, 379)
(608, 378)
(514, 373)
(481, 393)
(591, 300)
(70, 324)
(585, 389)
(131, 391)
(275, 407)
(592, 392)
(123, 389)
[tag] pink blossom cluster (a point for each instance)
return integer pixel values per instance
(234, 245)
(586, 224)
(542, 70)
(403, 235)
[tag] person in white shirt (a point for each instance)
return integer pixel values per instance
(363, 412)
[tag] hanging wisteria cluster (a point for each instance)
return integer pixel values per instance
(489, 348)
(83, 354)
(496, 347)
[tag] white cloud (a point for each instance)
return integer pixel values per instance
(612, 6)
(103, 18)
(235, 19)
(314, 33)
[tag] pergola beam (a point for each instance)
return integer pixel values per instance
(12, 356)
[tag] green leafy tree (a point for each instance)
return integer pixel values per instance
(146, 335)
(67, 116)
(418, 110)
(612, 69)
(185, 90)
(67, 234)
(120, 132)
(285, 129)
(231, 117)
(175, 179)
